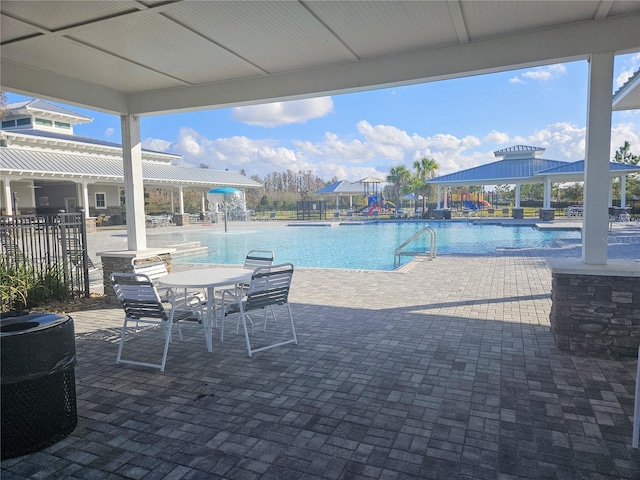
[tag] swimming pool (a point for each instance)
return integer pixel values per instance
(367, 246)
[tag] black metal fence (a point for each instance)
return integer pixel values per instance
(47, 242)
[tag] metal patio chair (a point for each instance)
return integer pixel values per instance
(142, 305)
(256, 259)
(155, 268)
(267, 292)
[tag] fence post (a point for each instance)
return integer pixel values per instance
(85, 253)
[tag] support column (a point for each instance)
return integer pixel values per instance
(181, 219)
(623, 191)
(546, 212)
(8, 203)
(598, 145)
(517, 195)
(85, 198)
(173, 209)
(437, 197)
(547, 193)
(203, 197)
(446, 200)
(610, 199)
(133, 182)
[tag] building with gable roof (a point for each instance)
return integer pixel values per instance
(46, 167)
(521, 164)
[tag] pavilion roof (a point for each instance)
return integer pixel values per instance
(343, 187)
(501, 171)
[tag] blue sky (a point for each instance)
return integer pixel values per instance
(459, 123)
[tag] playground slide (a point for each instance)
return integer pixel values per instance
(470, 205)
(485, 203)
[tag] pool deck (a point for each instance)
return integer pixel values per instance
(446, 369)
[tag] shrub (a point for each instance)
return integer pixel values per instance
(23, 287)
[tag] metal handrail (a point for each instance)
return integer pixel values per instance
(432, 246)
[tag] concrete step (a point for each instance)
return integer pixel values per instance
(183, 249)
(190, 251)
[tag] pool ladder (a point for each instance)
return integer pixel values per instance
(399, 253)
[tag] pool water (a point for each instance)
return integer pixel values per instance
(368, 246)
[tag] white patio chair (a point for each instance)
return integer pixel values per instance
(142, 305)
(155, 268)
(256, 259)
(268, 291)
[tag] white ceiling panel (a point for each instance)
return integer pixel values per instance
(86, 64)
(10, 29)
(274, 36)
(623, 7)
(373, 29)
(53, 15)
(496, 18)
(159, 44)
(148, 57)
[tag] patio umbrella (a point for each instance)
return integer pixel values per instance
(225, 192)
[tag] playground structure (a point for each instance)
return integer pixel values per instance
(375, 202)
(474, 201)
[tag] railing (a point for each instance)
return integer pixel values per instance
(399, 253)
(42, 243)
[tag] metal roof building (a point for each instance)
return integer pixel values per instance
(47, 166)
(519, 165)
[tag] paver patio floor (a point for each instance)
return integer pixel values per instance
(447, 370)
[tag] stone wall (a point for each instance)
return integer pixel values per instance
(596, 315)
(122, 264)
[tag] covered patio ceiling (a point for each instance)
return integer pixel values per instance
(152, 57)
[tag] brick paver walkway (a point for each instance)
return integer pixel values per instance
(447, 370)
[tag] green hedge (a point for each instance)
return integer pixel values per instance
(22, 287)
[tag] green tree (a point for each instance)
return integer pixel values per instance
(399, 177)
(624, 155)
(426, 169)
(573, 193)
(3, 105)
(505, 193)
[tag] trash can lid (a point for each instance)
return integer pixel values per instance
(19, 322)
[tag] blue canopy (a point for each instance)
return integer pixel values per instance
(224, 190)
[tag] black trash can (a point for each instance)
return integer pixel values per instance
(38, 401)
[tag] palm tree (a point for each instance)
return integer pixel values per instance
(399, 176)
(425, 169)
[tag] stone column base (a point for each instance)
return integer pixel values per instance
(90, 224)
(518, 213)
(181, 219)
(442, 214)
(595, 314)
(547, 214)
(120, 262)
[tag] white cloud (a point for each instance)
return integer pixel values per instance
(283, 113)
(496, 137)
(625, 132)
(372, 149)
(541, 74)
(156, 144)
(109, 132)
(630, 66)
